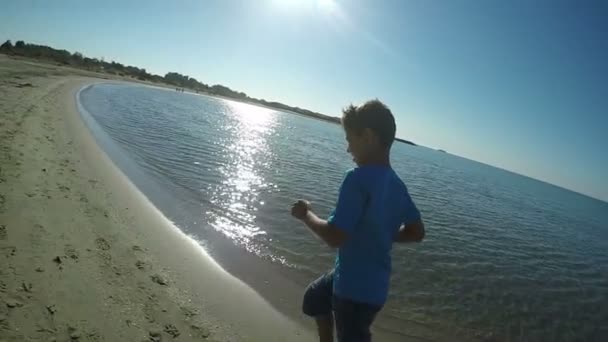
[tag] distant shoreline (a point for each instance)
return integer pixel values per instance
(64, 58)
(110, 77)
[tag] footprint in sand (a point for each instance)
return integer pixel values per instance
(51, 309)
(9, 251)
(189, 312)
(200, 331)
(3, 322)
(172, 330)
(71, 252)
(149, 310)
(13, 303)
(26, 287)
(64, 162)
(73, 333)
(63, 188)
(155, 336)
(102, 244)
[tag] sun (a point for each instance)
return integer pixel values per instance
(327, 5)
(321, 5)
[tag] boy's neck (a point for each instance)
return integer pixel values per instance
(380, 159)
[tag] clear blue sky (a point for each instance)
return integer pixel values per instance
(522, 85)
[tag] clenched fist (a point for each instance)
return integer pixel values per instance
(300, 209)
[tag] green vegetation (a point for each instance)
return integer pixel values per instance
(77, 60)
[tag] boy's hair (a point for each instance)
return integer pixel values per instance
(374, 115)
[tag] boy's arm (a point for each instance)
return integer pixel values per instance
(332, 236)
(347, 213)
(411, 232)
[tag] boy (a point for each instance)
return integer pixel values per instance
(374, 209)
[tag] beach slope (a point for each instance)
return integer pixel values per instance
(83, 254)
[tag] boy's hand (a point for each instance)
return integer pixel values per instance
(300, 209)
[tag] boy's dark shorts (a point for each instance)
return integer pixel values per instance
(353, 319)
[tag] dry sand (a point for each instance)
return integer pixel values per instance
(84, 256)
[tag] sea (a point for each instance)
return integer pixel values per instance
(506, 257)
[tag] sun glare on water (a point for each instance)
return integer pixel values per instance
(236, 200)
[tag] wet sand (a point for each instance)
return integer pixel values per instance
(83, 254)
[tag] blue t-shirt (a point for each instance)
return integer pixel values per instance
(372, 205)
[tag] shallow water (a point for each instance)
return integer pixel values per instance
(506, 256)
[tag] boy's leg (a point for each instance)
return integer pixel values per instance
(318, 304)
(325, 327)
(353, 320)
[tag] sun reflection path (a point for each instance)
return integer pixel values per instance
(236, 199)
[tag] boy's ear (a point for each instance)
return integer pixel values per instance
(370, 136)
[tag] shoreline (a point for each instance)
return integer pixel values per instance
(123, 272)
(281, 287)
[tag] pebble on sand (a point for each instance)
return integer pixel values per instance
(155, 336)
(13, 303)
(51, 309)
(74, 333)
(157, 278)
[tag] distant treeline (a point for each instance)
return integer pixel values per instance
(78, 60)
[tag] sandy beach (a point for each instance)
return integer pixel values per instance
(84, 256)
